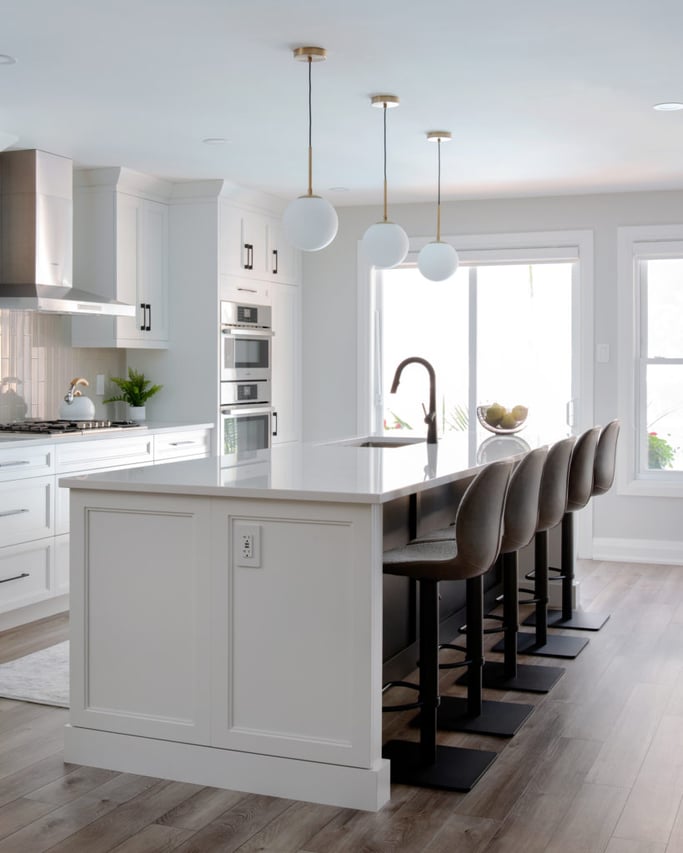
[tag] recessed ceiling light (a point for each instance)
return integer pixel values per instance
(215, 140)
(668, 107)
(5, 59)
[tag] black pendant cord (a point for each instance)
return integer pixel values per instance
(385, 163)
(310, 129)
(438, 192)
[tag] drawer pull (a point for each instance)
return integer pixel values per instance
(15, 578)
(13, 464)
(248, 289)
(12, 512)
(178, 443)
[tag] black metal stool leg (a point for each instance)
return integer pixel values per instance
(578, 620)
(475, 714)
(541, 643)
(511, 675)
(425, 764)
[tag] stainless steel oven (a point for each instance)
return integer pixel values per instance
(246, 336)
(245, 428)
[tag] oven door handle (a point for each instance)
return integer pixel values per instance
(251, 333)
(246, 410)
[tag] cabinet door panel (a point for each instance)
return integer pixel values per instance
(285, 299)
(25, 574)
(26, 510)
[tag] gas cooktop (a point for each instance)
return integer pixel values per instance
(37, 427)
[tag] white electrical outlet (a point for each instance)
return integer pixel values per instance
(247, 545)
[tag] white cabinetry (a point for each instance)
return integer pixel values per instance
(27, 523)
(121, 252)
(286, 348)
(190, 444)
(252, 245)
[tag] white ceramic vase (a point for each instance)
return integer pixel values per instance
(136, 413)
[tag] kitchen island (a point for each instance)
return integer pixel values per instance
(226, 613)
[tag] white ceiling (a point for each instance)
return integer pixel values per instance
(542, 97)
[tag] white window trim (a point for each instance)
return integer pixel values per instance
(634, 244)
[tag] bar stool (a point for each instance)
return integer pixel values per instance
(582, 472)
(551, 508)
(478, 533)
(520, 525)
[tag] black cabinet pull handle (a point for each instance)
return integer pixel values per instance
(274, 423)
(144, 316)
(149, 317)
(9, 512)
(15, 577)
(275, 262)
(249, 264)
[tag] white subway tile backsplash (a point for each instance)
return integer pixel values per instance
(37, 362)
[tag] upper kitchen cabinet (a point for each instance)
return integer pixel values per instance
(121, 252)
(252, 246)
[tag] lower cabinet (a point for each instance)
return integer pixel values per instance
(34, 509)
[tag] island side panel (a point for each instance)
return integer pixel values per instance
(297, 637)
(140, 614)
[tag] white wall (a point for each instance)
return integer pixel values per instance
(623, 525)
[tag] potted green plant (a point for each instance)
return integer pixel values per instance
(135, 390)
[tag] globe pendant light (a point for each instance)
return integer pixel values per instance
(385, 243)
(310, 222)
(438, 261)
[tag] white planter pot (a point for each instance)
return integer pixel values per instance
(136, 413)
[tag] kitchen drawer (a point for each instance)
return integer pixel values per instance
(19, 462)
(25, 574)
(181, 445)
(234, 289)
(26, 510)
(104, 453)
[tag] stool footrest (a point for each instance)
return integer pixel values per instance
(455, 768)
(408, 706)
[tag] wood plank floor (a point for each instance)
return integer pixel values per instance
(597, 768)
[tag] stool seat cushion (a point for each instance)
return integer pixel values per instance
(431, 559)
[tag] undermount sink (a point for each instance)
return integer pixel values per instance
(382, 441)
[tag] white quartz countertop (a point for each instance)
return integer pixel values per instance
(149, 427)
(316, 472)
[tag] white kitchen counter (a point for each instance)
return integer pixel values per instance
(149, 427)
(226, 614)
(309, 472)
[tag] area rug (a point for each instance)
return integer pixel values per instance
(41, 677)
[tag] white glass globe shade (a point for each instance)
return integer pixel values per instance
(437, 261)
(385, 244)
(310, 223)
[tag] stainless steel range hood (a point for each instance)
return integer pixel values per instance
(36, 238)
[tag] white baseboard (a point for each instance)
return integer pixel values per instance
(314, 782)
(33, 612)
(664, 552)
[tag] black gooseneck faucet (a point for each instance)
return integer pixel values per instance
(430, 416)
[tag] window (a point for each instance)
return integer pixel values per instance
(651, 393)
(514, 323)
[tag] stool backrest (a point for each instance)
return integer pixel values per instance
(552, 501)
(581, 469)
(606, 458)
(521, 505)
(479, 521)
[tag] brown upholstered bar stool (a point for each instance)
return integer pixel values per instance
(520, 524)
(551, 508)
(581, 486)
(478, 533)
(603, 478)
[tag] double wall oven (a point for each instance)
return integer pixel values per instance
(245, 393)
